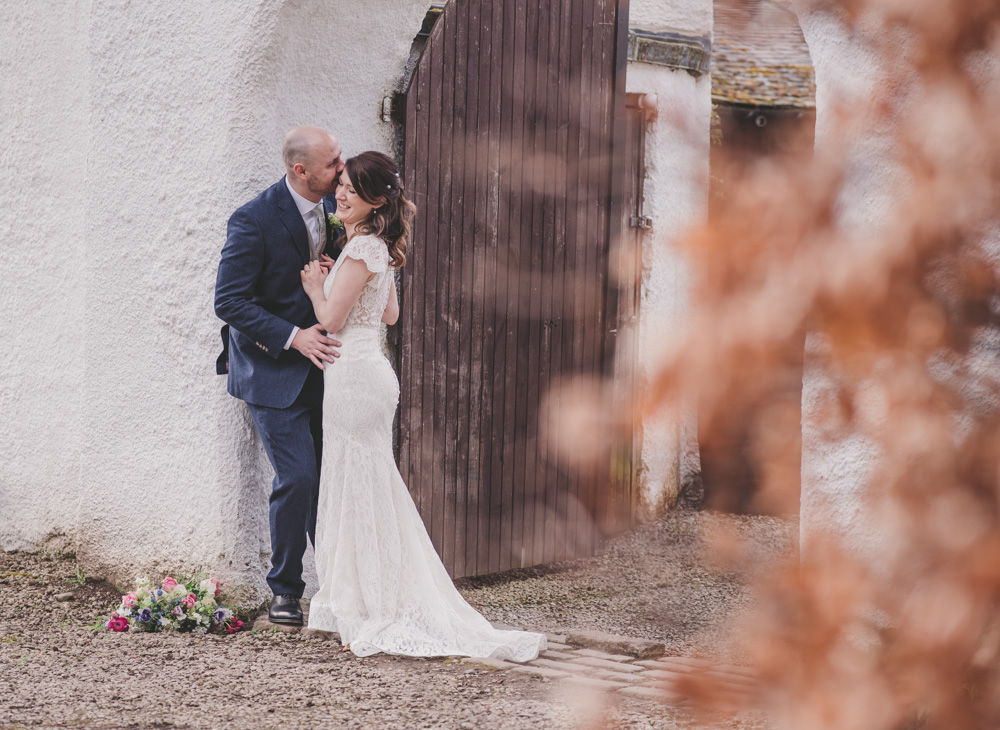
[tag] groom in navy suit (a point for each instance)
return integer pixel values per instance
(276, 349)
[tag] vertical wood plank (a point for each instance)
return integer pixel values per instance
(575, 233)
(603, 71)
(485, 226)
(470, 324)
(563, 181)
(446, 369)
(406, 375)
(433, 414)
(523, 377)
(554, 251)
(513, 69)
(537, 372)
(419, 385)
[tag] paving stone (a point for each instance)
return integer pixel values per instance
(732, 677)
(683, 662)
(596, 654)
(662, 675)
(551, 654)
(539, 671)
(592, 683)
(562, 666)
(649, 693)
(614, 644)
(556, 638)
(736, 669)
(605, 664)
(735, 690)
(262, 624)
(487, 662)
(721, 699)
(619, 677)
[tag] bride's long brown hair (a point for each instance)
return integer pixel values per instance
(374, 176)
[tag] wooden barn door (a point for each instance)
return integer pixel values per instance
(513, 116)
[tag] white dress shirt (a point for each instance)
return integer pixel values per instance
(307, 209)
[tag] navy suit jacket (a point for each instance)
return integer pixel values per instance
(258, 293)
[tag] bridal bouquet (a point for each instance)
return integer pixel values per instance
(173, 605)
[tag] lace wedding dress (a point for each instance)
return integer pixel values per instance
(383, 587)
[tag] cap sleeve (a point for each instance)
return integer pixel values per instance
(370, 249)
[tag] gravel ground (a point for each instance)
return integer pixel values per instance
(653, 583)
(55, 671)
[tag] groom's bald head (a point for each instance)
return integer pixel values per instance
(312, 161)
(302, 144)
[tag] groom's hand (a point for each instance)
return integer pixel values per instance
(314, 344)
(326, 263)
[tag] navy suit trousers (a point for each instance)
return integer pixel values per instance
(293, 440)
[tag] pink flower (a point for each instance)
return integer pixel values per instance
(178, 611)
(189, 601)
(128, 600)
(118, 624)
(169, 584)
(215, 583)
(233, 626)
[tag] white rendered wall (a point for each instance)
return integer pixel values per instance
(675, 198)
(45, 127)
(839, 496)
(134, 131)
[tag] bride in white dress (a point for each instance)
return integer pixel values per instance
(383, 587)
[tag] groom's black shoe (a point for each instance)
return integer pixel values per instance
(285, 609)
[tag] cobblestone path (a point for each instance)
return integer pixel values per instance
(660, 678)
(609, 663)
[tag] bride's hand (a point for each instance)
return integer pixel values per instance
(313, 276)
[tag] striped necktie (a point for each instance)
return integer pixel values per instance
(320, 244)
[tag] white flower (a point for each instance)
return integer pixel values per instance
(200, 630)
(143, 582)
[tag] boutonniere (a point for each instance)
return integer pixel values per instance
(333, 221)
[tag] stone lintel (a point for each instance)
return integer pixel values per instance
(674, 50)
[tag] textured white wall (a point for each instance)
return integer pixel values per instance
(44, 90)
(137, 130)
(839, 497)
(675, 198)
(692, 17)
(857, 69)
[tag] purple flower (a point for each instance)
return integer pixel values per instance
(220, 615)
(145, 615)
